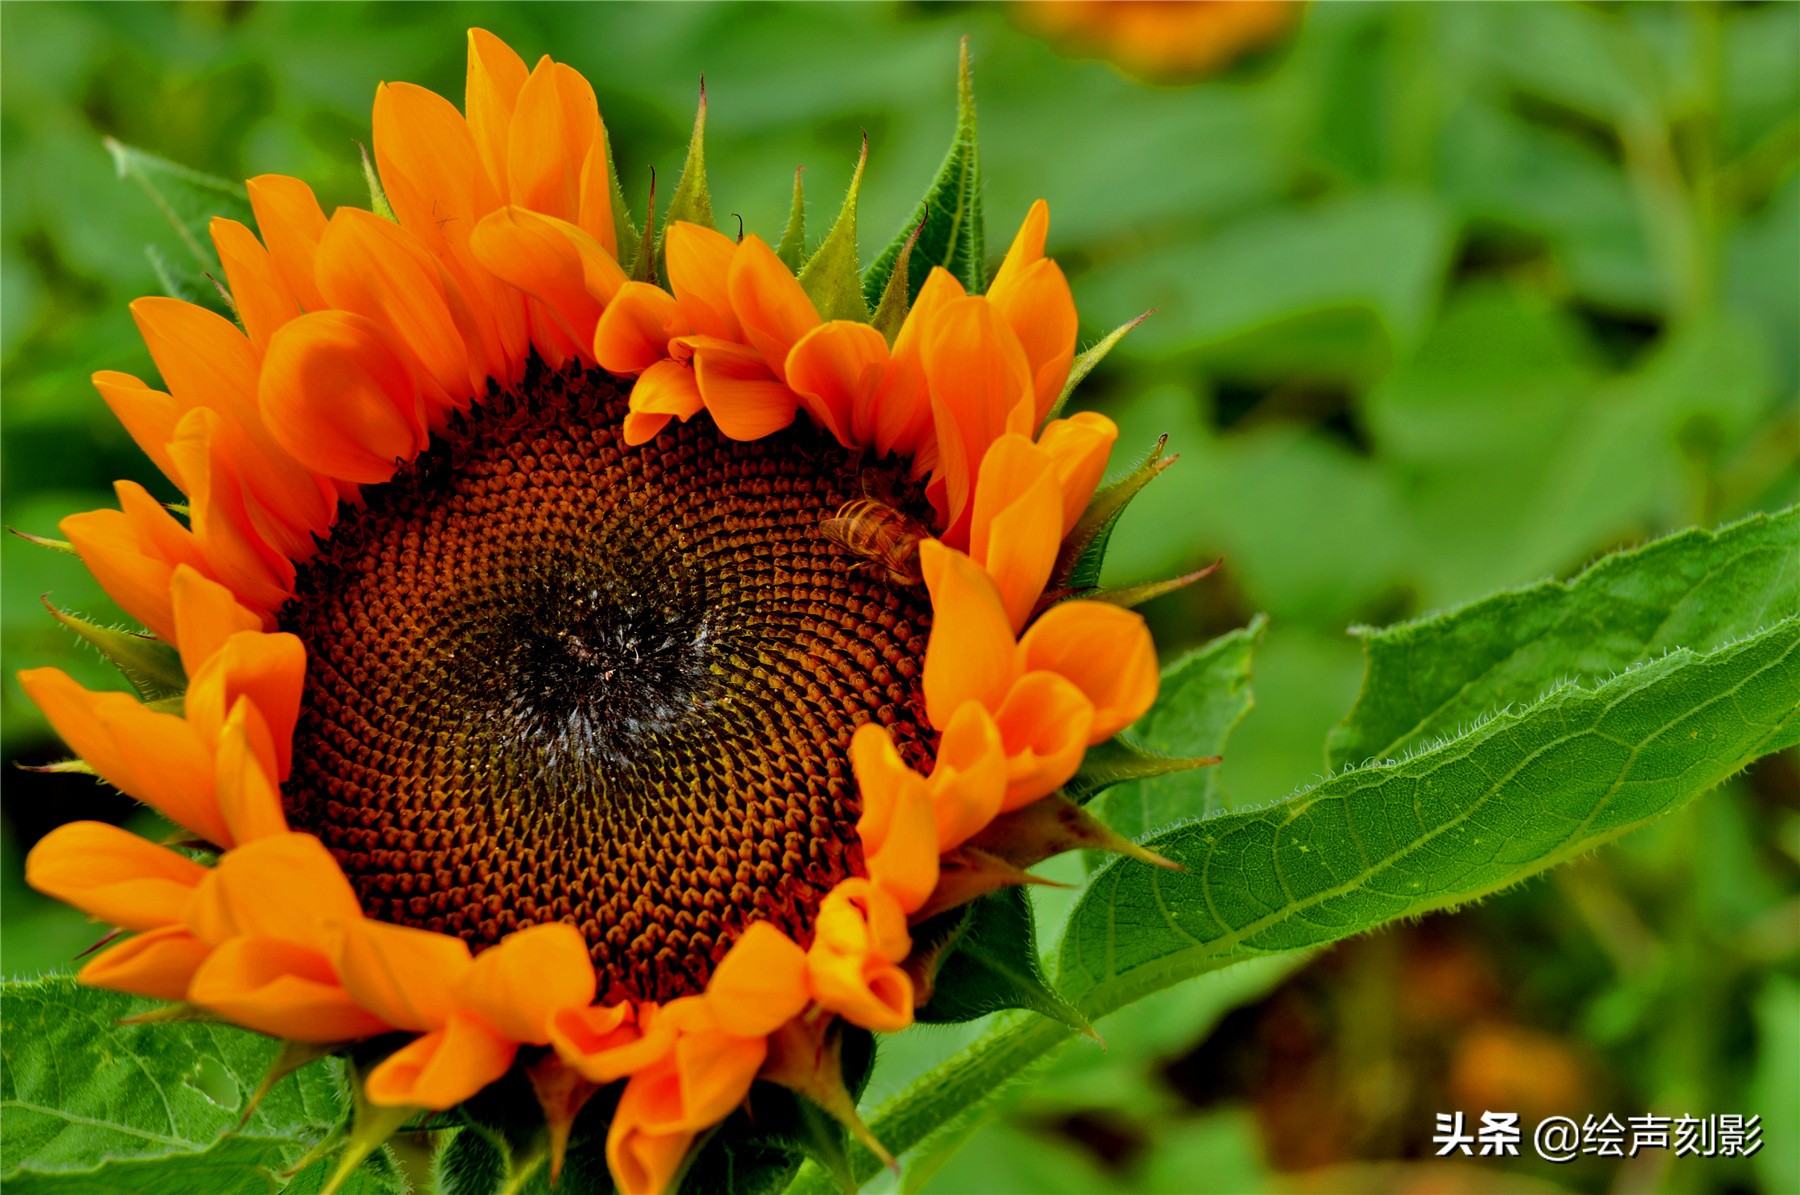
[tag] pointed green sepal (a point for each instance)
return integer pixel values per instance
(830, 278)
(1131, 596)
(1119, 759)
(643, 265)
(995, 966)
(1084, 364)
(969, 873)
(42, 541)
(151, 665)
(792, 249)
(890, 315)
(953, 231)
(562, 1094)
(72, 767)
(1053, 825)
(378, 200)
(625, 233)
(806, 1057)
(692, 202)
(1084, 548)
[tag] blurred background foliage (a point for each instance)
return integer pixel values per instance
(1448, 298)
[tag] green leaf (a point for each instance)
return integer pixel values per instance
(188, 199)
(830, 278)
(994, 966)
(1698, 589)
(89, 1105)
(1204, 696)
(1506, 800)
(953, 233)
(625, 232)
(1120, 759)
(151, 665)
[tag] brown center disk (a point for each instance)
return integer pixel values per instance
(553, 678)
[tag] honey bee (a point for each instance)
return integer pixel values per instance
(881, 535)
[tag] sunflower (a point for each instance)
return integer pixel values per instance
(582, 675)
(1162, 39)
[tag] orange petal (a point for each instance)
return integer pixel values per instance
(280, 988)
(769, 303)
(836, 370)
(149, 416)
(338, 398)
(968, 778)
(634, 331)
(667, 390)
(1105, 650)
(699, 260)
(291, 222)
(553, 261)
(133, 561)
(156, 757)
(284, 887)
(262, 300)
(553, 126)
(245, 770)
(745, 399)
(1031, 292)
(159, 963)
(1016, 525)
(375, 268)
(970, 654)
(1080, 446)
(270, 670)
(1044, 726)
(402, 975)
(207, 363)
(898, 826)
(206, 614)
(209, 455)
(495, 75)
(901, 419)
(113, 875)
(643, 1163)
(760, 984)
(605, 1042)
(859, 935)
(518, 985)
(443, 1068)
(980, 389)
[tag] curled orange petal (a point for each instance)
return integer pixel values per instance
(402, 975)
(969, 777)
(970, 655)
(206, 614)
(281, 988)
(836, 370)
(1044, 726)
(898, 826)
(553, 261)
(1015, 527)
(495, 75)
(519, 984)
(149, 416)
(859, 937)
(291, 222)
(113, 875)
(1080, 446)
(245, 771)
(286, 887)
(768, 302)
(339, 399)
(442, 1068)
(665, 391)
(1105, 650)
(743, 396)
(606, 1042)
(980, 384)
(635, 329)
(159, 963)
(1029, 290)
(259, 294)
(699, 260)
(760, 984)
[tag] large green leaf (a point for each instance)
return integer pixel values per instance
(1520, 793)
(188, 199)
(1699, 589)
(89, 1105)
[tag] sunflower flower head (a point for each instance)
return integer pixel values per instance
(599, 669)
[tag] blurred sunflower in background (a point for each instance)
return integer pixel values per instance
(1161, 40)
(594, 655)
